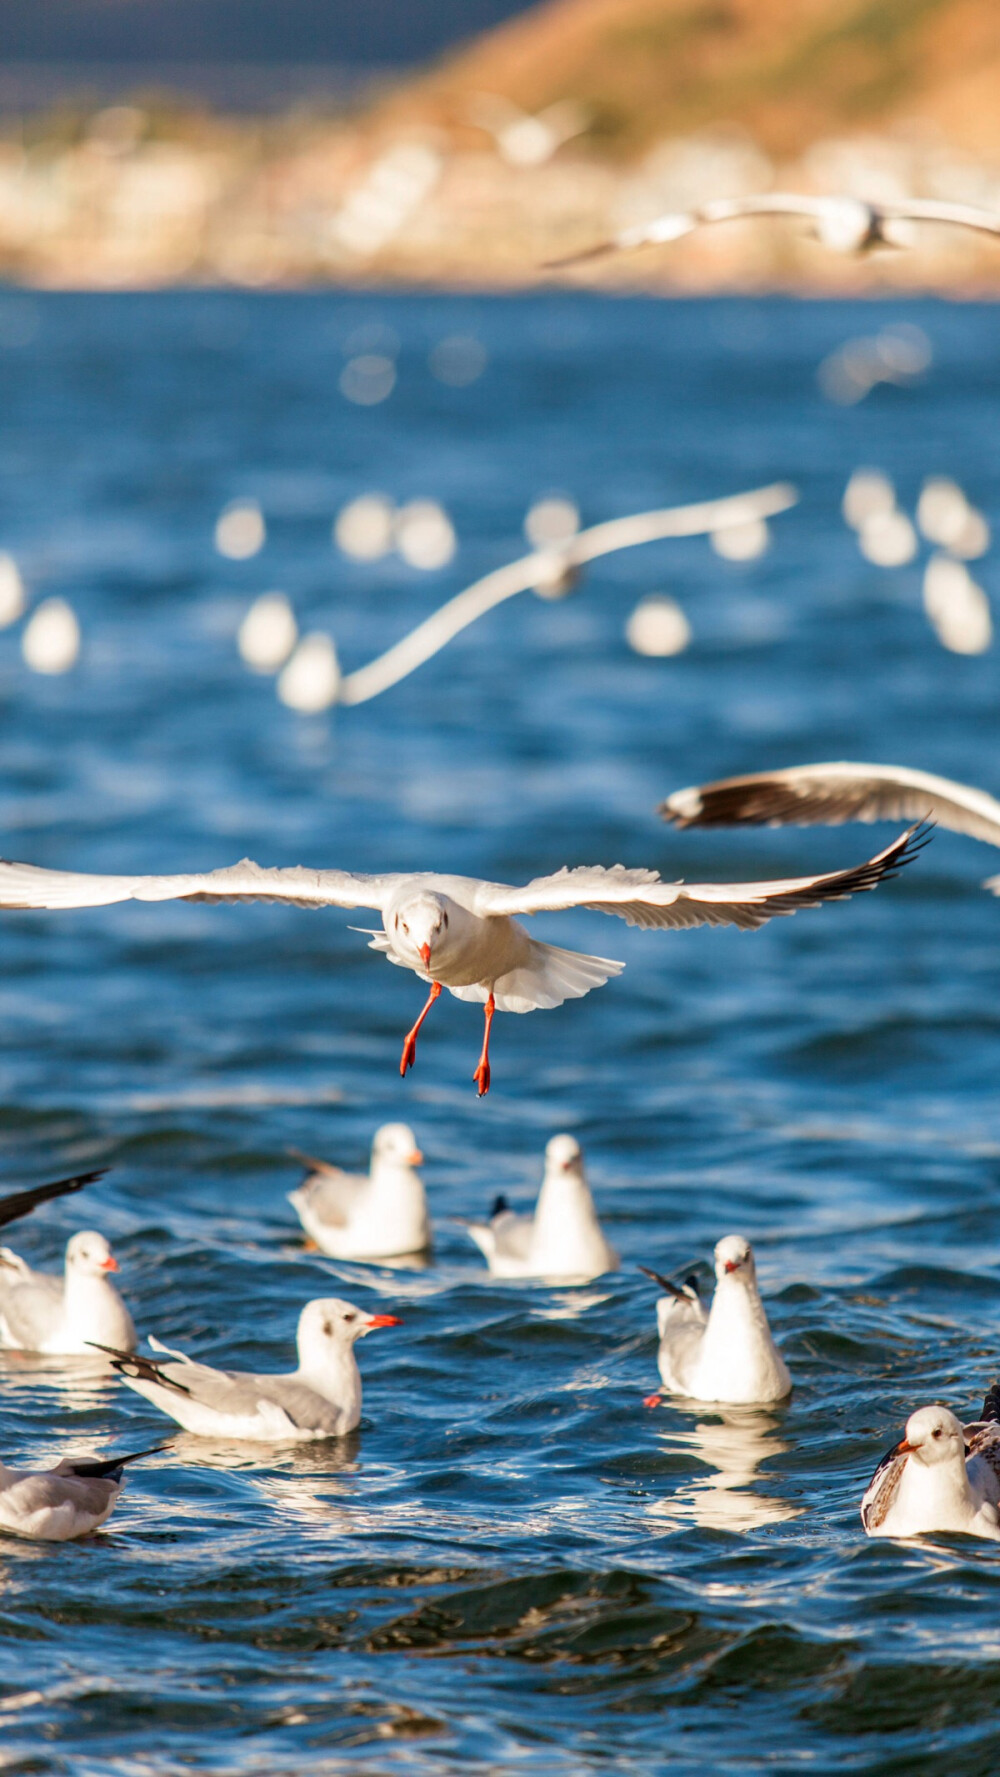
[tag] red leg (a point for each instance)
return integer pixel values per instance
(409, 1054)
(482, 1073)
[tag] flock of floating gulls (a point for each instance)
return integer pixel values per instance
(465, 935)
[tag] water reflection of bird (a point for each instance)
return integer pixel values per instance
(845, 224)
(460, 932)
(563, 1239)
(830, 794)
(732, 1444)
(726, 1353)
(525, 138)
(940, 1476)
(552, 571)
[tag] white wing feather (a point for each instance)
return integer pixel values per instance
(24, 886)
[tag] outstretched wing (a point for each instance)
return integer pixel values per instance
(24, 885)
(829, 794)
(674, 224)
(21, 1203)
(881, 1489)
(641, 899)
(919, 209)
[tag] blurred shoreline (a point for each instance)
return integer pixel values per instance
(339, 190)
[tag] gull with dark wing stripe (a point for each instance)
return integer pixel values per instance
(941, 1476)
(461, 933)
(725, 1353)
(57, 1504)
(832, 793)
(321, 1398)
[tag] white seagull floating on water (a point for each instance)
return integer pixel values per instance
(64, 1315)
(381, 1214)
(460, 932)
(941, 1476)
(726, 1353)
(319, 1399)
(830, 794)
(563, 1239)
(845, 224)
(57, 1504)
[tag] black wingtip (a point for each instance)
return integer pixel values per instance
(21, 1203)
(133, 1364)
(89, 1468)
(500, 1206)
(668, 1288)
(991, 1405)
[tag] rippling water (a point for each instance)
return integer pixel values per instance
(513, 1566)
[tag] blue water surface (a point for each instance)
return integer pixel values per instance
(514, 1566)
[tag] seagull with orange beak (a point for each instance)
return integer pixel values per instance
(64, 1315)
(725, 1353)
(381, 1214)
(321, 1398)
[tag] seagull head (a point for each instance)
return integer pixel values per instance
(933, 1435)
(328, 1326)
(395, 1145)
(421, 928)
(89, 1255)
(734, 1258)
(564, 1154)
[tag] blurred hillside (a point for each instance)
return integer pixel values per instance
(556, 127)
(788, 71)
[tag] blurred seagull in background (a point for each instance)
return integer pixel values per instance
(525, 138)
(563, 1239)
(381, 1214)
(319, 1399)
(57, 1504)
(552, 571)
(845, 224)
(726, 1353)
(830, 794)
(63, 1315)
(460, 932)
(941, 1476)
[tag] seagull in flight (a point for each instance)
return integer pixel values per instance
(552, 572)
(830, 794)
(942, 1475)
(462, 933)
(844, 224)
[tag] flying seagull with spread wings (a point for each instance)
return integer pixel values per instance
(845, 224)
(830, 794)
(461, 933)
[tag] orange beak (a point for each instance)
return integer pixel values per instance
(425, 953)
(904, 1449)
(384, 1320)
(110, 1263)
(731, 1265)
(416, 1158)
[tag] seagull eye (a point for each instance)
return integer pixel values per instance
(349, 1317)
(937, 1433)
(444, 919)
(406, 928)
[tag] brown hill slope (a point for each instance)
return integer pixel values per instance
(788, 70)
